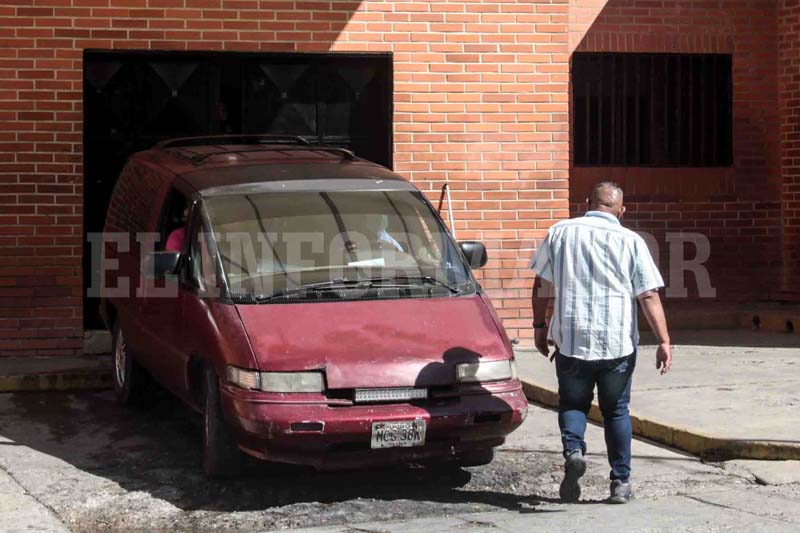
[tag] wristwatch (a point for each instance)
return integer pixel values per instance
(540, 325)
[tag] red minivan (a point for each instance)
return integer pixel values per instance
(310, 304)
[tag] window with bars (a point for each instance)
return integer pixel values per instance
(652, 109)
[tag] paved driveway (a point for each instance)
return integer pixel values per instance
(82, 459)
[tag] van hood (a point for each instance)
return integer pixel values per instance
(377, 343)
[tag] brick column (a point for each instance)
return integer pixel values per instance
(789, 87)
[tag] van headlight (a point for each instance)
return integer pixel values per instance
(276, 381)
(486, 371)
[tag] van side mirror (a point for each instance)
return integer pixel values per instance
(475, 252)
(159, 265)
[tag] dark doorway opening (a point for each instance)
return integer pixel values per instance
(134, 99)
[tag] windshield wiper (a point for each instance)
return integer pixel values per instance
(325, 286)
(348, 283)
(430, 280)
(260, 298)
(340, 283)
(362, 283)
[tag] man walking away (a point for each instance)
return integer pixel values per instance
(593, 270)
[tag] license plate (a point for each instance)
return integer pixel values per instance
(398, 434)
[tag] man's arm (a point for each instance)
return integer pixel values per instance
(542, 292)
(654, 312)
(541, 297)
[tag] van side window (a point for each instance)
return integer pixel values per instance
(172, 222)
(201, 267)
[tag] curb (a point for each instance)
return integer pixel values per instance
(703, 446)
(57, 381)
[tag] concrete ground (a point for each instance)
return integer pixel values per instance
(734, 384)
(80, 461)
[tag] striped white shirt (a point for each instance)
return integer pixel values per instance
(597, 268)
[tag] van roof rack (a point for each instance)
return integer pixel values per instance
(260, 138)
(270, 142)
(344, 152)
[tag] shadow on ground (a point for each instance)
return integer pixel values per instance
(157, 451)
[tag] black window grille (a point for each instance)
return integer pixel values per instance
(652, 109)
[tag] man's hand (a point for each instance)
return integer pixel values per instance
(663, 357)
(654, 312)
(540, 338)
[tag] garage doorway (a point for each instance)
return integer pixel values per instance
(134, 99)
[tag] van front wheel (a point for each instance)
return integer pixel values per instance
(221, 456)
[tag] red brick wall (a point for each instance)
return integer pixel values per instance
(789, 87)
(480, 98)
(738, 208)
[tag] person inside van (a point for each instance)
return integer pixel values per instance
(375, 233)
(177, 236)
(385, 240)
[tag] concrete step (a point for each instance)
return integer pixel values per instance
(776, 318)
(55, 373)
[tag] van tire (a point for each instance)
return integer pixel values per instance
(476, 457)
(221, 457)
(132, 383)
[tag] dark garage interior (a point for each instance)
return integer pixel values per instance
(135, 99)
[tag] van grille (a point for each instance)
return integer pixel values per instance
(394, 394)
(439, 395)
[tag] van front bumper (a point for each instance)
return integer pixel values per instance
(340, 436)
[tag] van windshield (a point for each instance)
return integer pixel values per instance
(278, 247)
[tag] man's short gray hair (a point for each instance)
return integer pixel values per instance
(605, 193)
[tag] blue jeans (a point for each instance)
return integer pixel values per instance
(576, 381)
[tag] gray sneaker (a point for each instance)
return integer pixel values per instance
(574, 468)
(620, 492)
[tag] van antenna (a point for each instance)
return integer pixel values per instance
(446, 192)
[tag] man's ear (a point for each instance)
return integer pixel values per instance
(621, 212)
